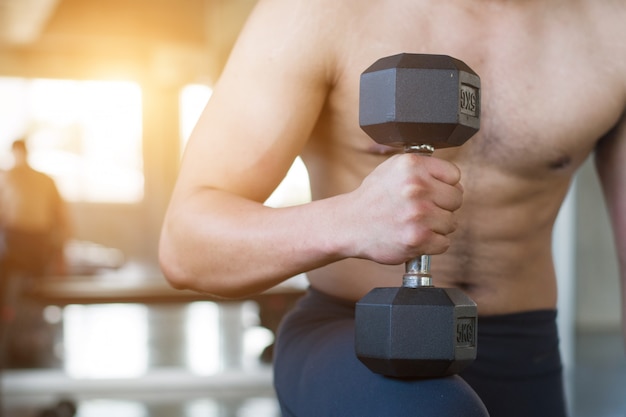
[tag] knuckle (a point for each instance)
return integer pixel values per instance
(413, 237)
(414, 190)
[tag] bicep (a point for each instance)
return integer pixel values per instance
(262, 111)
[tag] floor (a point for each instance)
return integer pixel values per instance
(202, 361)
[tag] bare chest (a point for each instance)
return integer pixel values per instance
(537, 119)
(548, 94)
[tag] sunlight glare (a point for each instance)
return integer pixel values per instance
(193, 99)
(86, 134)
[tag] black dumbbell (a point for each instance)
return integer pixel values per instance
(421, 103)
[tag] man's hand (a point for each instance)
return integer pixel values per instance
(405, 208)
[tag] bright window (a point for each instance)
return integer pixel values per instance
(193, 99)
(85, 134)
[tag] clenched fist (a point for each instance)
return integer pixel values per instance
(405, 208)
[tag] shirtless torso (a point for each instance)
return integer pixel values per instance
(553, 77)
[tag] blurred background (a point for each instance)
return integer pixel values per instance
(105, 94)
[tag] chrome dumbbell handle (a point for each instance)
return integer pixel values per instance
(417, 270)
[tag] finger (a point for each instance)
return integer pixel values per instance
(448, 197)
(435, 245)
(436, 224)
(446, 222)
(443, 170)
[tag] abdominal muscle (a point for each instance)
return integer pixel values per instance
(494, 293)
(501, 258)
(501, 252)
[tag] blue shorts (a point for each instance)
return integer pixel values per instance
(517, 373)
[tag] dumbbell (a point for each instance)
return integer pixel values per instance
(421, 103)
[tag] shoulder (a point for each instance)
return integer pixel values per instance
(304, 34)
(288, 12)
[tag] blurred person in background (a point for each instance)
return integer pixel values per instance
(33, 219)
(34, 227)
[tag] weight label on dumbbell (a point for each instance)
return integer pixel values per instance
(466, 332)
(469, 100)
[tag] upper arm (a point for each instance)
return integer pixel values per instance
(264, 106)
(609, 158)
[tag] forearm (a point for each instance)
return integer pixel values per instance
(224, 244)
(228, 246)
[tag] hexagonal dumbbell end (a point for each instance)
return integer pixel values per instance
(416, 332)
(414, 99)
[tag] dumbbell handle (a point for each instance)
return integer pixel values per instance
(417, 270)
